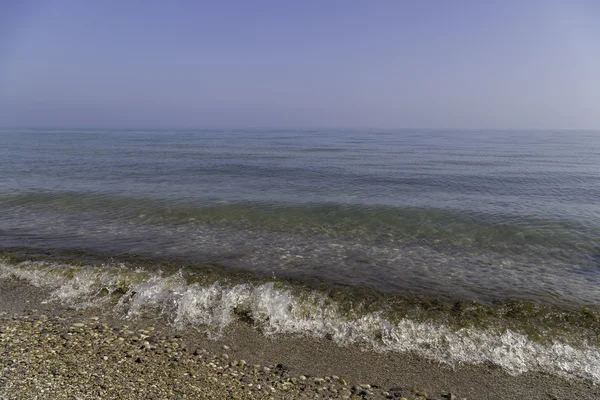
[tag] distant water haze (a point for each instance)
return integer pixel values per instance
(427, 64)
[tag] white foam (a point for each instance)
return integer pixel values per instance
(276, 310)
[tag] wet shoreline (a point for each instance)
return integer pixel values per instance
(458, 311)
(387, 375)
(216, 302)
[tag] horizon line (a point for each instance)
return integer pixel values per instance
(315, 128)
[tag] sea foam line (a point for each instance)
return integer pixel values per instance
(277, 310)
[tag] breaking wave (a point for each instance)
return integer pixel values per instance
(277, 308)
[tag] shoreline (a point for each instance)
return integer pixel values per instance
(301, 356)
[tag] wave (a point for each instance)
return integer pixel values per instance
(369, 223)
(280, 308)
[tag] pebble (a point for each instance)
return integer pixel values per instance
(52, 360)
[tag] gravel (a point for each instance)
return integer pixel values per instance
(49, 357)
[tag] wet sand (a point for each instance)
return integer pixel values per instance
(392, 375)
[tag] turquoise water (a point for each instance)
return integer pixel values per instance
(463, 246)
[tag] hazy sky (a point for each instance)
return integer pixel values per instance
(372, 63)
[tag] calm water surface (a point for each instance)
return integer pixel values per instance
(486, 215)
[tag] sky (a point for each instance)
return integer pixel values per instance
(308, 64)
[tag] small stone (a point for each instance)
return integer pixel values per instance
(282, 367)
(78, 325)
(138, 360)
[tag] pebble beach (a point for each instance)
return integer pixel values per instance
(47, 358)
(50, 352)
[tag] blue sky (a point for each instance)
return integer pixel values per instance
(359, 64)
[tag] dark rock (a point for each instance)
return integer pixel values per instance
(282, 367)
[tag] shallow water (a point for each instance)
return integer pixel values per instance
(494, 217)
(480, 214)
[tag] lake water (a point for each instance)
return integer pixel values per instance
(493, 219)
